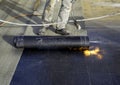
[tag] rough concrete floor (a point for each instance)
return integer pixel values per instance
(9, 56)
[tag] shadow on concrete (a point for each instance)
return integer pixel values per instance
(9, 39)
(9, 7)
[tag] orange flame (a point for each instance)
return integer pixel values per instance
(94, 52)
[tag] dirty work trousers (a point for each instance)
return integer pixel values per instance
(37, 3)
(63, 16)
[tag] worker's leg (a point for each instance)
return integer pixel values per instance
(64, 16)
(64, 13)
(37, 3)
(48, 15)
(49, 10)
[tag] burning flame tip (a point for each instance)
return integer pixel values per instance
(94, 52)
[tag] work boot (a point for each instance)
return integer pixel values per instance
(36, 13)
(41, 31)
(62, 32)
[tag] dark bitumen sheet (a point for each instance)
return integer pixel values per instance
(70, 67)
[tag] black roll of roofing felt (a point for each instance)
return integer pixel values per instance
(51, 42)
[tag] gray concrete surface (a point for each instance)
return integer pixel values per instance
(9, 56)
